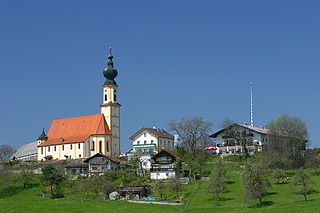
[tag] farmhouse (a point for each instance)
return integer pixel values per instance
(100, 163)
(163, 166)
(227, 139)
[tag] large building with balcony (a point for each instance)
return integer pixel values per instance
(227, 139)
(151, 141)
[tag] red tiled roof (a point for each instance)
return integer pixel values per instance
(76, 129)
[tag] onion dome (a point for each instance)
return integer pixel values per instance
(43, 136)
(110, 73)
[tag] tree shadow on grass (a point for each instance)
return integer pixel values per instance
(222, 199)
(263, 204)
(13, 190)
(271, 193)
(231, 182)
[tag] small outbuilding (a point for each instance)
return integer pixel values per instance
(133, 192)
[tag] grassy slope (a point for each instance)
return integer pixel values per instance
(282, 198)
(31, 201)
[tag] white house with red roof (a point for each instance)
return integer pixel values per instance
(85, 136)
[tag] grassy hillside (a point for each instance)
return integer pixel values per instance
(281, 198)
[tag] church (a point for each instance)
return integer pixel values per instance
(84, 136)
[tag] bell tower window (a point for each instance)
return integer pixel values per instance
(100, 146)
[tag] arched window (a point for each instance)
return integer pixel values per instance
(115, 95)
(105, 97)
(100, 146)
(107, 146)
(92, 146)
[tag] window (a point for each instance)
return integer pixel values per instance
(144, 134)
(151, 141)
(79, 156)
(115, 95)
(138, 142)
(62, 147)
(78, 145)
(92, 146)
(48, 148)
(55, 148)
(41, 150)
(145, 142)
(100, 146)
(70, 146)
(107, 146)
(105, 97)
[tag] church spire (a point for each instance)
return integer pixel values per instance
(110, 73)
(43, 136)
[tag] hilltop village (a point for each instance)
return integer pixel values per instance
(163, 165)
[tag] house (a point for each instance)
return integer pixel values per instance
(163, 166)
(84, 136)
(149, 141)
(79, 169)
(27, 152)
(100, 163)
(226, 138)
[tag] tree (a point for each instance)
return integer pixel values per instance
(107, 184)
(175, 185)
(6, 152)
(192, 132)
(255, 181)
(302, 181)
(218, 180)
(313, 160)
(158, 188)
(288, 137)
(25, 175)
(53, 178)
(279, 174)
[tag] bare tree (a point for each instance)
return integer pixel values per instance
(191, 131)
(6, 152)
(226, 123)
(244, 138)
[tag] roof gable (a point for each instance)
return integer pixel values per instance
(252, 128)
(102, 155)
(76, 129)
(159, 133)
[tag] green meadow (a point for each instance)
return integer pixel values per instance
(281, 198)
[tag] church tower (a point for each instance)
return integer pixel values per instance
(110, 106)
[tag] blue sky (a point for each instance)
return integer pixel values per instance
(175, 59)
